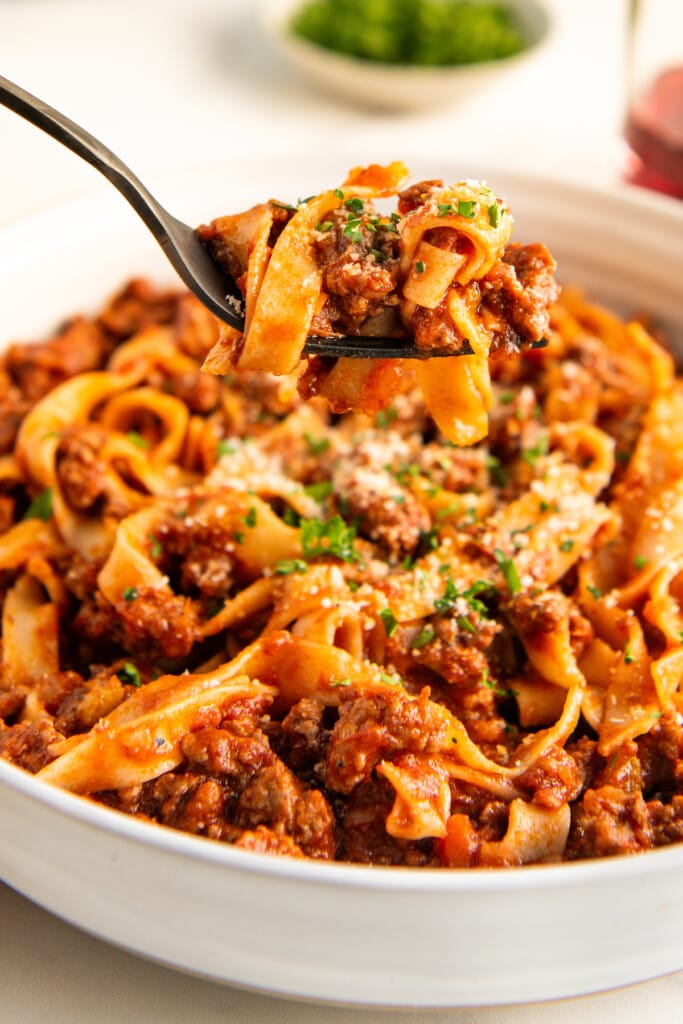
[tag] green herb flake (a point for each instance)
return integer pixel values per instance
(282, 206)
(129, 674)
(290, 517)
(319, 491)
(496, 471)
(465, 625)
(629, 656)
(385, 417)
(509, 571)
(566, 545)
(251, 518)
(494, 215)
(156, 548)
(379, 256)
(353, 585)
(317, 445)
(594, 592)
(532, 455)
(333, 537)
(290, 565)
(129, 593)
(420, 267)
(238, 537)
(338, 193)
(424, 637)
(640, 561)
(41, 506)
(355, 204)
(325, 225)
(466, 208)
(341, 682)
(225, 447)
(137, 439)
(389, 620)
(445, 209)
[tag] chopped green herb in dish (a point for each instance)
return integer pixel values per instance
(426, 32)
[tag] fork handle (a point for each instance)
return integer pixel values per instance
(90, 149)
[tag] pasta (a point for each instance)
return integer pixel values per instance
(233, 611)
(441, 269)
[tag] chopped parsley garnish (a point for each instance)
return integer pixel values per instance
(465, 624)
(41, 506)
(282, 206)
(379, 256)
(129, 593)
(429, 539)
(595, 593)
(251, 518)
(494, 215)
(338, 193)
(509, 571)
(333, 537)
(385, 417)
(629, 656)
(566, 545)
(290, 517)
(353, 585)
(464, 208)
(341, 682)
(532, 455)
(451, 594)
(491, 684)
(352, 229)
(137, 439)
(238, 537)
(420, 267)
(496, 471)
(317, 445)
(424, 637)
(129, 674)
(225, 447)
(640, 561)
(325, 225)
(318, 491)
(355, 204)
(290, 565)
(156, 548)
(389, 620)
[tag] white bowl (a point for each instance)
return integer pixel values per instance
(343, 933)
(402, 86)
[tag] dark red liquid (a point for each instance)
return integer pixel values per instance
(654, 131)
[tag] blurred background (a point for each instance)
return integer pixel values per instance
(172, 83)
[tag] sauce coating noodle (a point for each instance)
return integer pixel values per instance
(235, 612)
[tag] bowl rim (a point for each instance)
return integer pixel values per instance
(150, 836)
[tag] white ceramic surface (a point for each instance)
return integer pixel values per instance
(403, 87)
(385, 937)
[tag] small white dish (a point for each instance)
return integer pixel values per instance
(391, 937)
(403, 86)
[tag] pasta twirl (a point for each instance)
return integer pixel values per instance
(327, 634)
(439, 268)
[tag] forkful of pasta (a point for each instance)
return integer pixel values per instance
(351, 298)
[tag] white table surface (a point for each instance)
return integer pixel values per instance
(170, 83)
